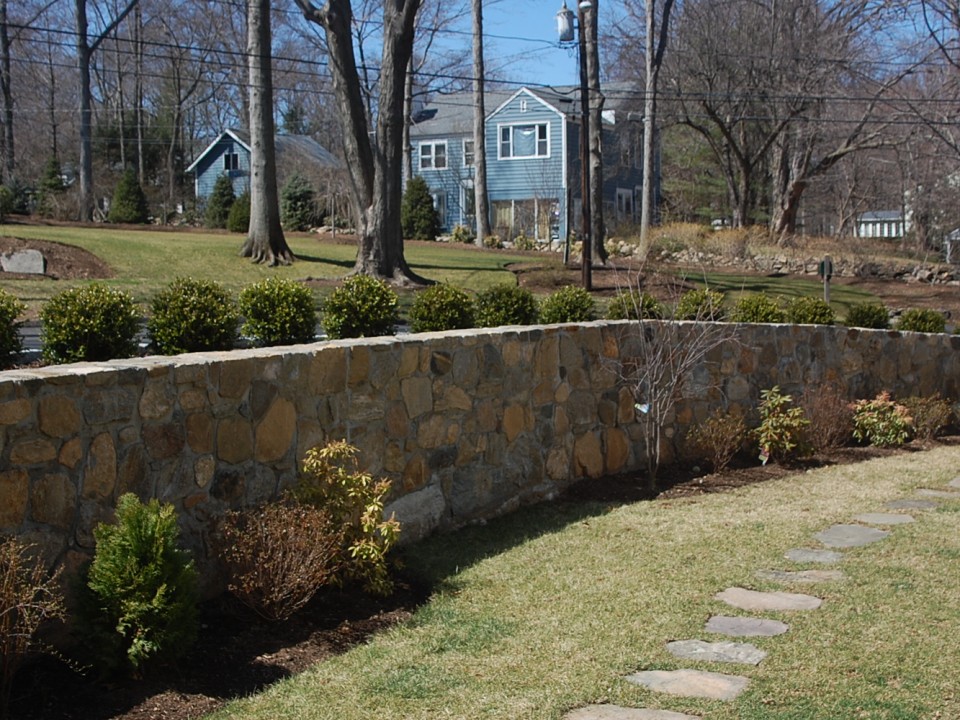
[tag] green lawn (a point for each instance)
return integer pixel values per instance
(549, 608)
(145, 261)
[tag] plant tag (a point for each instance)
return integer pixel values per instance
(642, 407)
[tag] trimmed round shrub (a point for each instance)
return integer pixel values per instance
(757, 308)
(238, 219)
(568, 304)
(922, 320)
(872, 316)
(810, 311)
(418, 217)
(129, 204)
(193, 316)
(362, 307)
(441, 307)
(278, 312)
(298, 206)
(11, 343)
(700, 305)
(89, 323)
(634, 305)
(218, 204)
(506, 305)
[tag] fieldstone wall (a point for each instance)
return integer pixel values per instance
(467, 425)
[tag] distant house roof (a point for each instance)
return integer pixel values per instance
(291, 149)
(881, 216)
(453, 114)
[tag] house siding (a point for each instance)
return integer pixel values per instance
(211, 167)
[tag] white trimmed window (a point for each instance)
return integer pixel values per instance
(231, 161)
(433, 155)
(525, 141)
(468, 153)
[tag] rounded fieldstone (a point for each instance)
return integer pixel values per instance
(724, 651)
(847, 536)
(616, 712)
(691, 683)
(884, 518)
(764, 601)
(800, 576)
(745, 626)
(804, 555)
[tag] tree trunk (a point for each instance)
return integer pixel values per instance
(598, 229)
(407, 122)
(481, 200)
(7, 166)
(86, 112)
(374, 169)
(265, 241)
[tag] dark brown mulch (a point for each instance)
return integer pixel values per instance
(64, 262)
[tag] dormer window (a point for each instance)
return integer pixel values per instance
(231, 161)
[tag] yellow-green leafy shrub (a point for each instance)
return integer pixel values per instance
(278, 311)
(89, 323)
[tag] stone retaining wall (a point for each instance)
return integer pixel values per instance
(468, 425)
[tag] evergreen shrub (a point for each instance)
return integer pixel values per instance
(810, 311)
(634, 305)
(873, 316)
(193, 316)
(278, 312)
(881, 422)
(7, 201)
(298, 204)
(129, 204)
(418, 216)
(568, 304)
(757, 308)
(441, 307)
(700, 305)
(89, 323)
(362, 307)
(506, 305)
(781, 433)
(11, 343)
(218, 204)
(238, 218)
(140, 596)
(922, 320)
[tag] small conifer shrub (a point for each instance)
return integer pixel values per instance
(441, 307)
(418, 216)
(278, 312)
(362, 307)
(238, 219)
(193, 316)
(506, 305)
(129, 204)
(89, 323)
(219, 203)
(298, 204)
(140, 600)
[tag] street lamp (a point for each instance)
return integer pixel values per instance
(565, 31)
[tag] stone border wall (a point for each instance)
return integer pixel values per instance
(468, 425)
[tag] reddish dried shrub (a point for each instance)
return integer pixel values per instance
(830, 415)
(931, 415)
(719, 438)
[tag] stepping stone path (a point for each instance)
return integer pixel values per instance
(802, 555)
(911, 505)
(616, 712)
(764, 601)
(730, 652)
(801, 576)
(848, 536)
(884, 518)
(718, 686)
(692, 683)
(745, 626)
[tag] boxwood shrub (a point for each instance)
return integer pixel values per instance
(758, 308)
(868, 315)
(193, 316)
(441, 307)
(278, 312)
(810, 311)
(10, 341)
(700, 305)
(922, 320)
(362, 307)
(634, 305)
(506, 305)
(568, 304)
(89, 323)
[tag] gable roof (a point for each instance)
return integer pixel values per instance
(453, 114)
(299, 147)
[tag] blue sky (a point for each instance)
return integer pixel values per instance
(522, 42)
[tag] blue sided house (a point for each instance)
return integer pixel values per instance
(229, 154)
(533, 160)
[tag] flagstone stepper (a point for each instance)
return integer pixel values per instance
(763, 601)
(617, 712)
(745, 626)
(849, 536)
(955, 483)
(724, 651)
(692, 683)
(801, 576)
(884, 518)
(804, 555)
(911, 505)
(944, 494)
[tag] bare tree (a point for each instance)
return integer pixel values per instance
(595, 164)
(265, 242)
(86, 47)
(375, 165)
